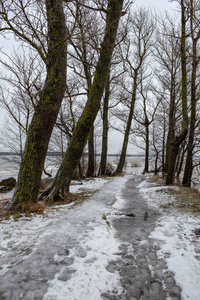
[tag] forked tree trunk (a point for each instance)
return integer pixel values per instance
(46, 112)
(60, 186)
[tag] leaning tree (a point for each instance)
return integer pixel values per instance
(60, 187)
(43, 27)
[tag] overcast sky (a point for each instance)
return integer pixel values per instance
(158, 5)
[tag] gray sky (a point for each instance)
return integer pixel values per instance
(158, 5)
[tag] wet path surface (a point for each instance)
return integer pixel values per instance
(143, 275)
(75, 254)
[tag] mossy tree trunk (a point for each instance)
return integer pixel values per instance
(104, 151)
(175, 144)
(60, 186)
(46, 112)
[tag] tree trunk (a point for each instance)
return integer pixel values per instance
(156, 163)
(102, 168)
(90, 169)
(163, 149)
(178, 159)
(46, 112)
(189, 159)
(182, 135)
(60, 186)
(171, 168)
(128, 127)
(179, 168)
(171, 130)
(146, 165)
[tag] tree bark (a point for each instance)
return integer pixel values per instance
(60, 186)
(47, 109)
(171, 168)
(180, 165)
(90, 169)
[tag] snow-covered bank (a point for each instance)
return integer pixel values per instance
(180, 246)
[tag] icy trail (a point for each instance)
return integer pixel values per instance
(118, 244)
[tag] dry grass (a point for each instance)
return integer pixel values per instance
(29, 209)
(186, 199)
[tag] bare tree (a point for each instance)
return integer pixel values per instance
(19, 95)
(167, 54)
(145, 114)
(135, 50)
(179, 138)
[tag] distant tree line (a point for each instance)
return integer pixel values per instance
(82, 68)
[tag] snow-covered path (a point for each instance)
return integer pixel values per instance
(118, 244)
(64, 255)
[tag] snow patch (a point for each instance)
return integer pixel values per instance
(179, 245)
(89, 277)
(119, 200)
(178, 249)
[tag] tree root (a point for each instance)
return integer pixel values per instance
(53, 194)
